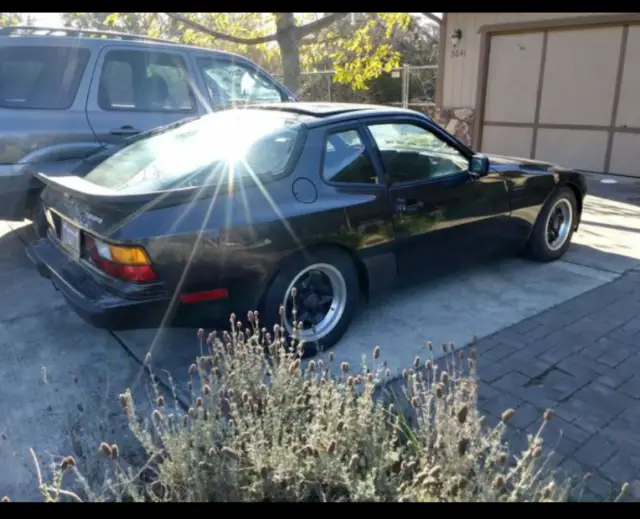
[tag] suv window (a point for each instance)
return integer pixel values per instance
(144, 81)
(229, 82)
(346, 160)
(40, 78)
(410, 153)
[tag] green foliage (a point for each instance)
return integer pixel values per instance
(361, 58)
(263, 426)
(11, 19)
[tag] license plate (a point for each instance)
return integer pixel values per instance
(70, 238)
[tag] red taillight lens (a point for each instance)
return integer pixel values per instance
(139, 272)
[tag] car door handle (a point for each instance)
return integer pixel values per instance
(125, 131)
(410, 205)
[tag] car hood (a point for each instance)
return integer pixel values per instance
(500, 162)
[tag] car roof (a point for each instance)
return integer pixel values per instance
(317, 114)
(65, 37)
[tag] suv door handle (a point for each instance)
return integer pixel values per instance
(410, 205)
(125, 131)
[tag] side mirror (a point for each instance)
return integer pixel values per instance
(479, 165)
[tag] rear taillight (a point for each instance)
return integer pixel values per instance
(123, 262)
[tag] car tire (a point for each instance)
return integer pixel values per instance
(39, 221)
(334, 266)
(541, 246)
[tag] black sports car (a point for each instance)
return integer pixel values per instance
(231, 211)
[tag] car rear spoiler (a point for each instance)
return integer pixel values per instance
(78, 187)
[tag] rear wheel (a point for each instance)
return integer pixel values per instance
(554, 227)
(327, 291)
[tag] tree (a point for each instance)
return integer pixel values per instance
(282, 42)
(11, 19)
(355, 61)
(147, 24)
(84, 20)
(288, 34)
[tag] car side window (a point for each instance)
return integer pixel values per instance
(346, 160)
(410, 153)
(142, 81)
(230, 82)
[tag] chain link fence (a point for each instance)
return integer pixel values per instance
(411, 86)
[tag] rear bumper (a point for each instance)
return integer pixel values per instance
(93, 302)
(103, 309)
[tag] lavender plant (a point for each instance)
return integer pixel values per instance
(264, 426)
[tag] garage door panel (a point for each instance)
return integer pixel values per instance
(580, 75)
(629, 105)
(624, 154)
(514, 68)
(580, 149)
(502, 140)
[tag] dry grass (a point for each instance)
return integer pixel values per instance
(265, 427)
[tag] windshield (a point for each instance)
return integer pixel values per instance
(234, 143)
(235, 83)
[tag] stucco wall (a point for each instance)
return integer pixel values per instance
(460, 67)
(461, 63)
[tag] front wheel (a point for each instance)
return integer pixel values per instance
(327, 292)
(554, 227)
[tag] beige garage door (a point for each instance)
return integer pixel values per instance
(569, 96)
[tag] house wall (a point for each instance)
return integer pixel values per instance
(460, 65)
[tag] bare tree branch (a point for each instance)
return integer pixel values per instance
(318, 25)
(220, 35)
(433, 18)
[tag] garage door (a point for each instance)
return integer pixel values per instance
(568, 96)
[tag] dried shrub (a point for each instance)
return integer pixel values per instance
(266, 426)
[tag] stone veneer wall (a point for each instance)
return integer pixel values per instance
(458, 122)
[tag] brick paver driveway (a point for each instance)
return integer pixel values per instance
(581, 358)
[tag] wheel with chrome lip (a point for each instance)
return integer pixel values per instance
(319, 290)
(552, 232)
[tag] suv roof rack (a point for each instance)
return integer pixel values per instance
(29, 30)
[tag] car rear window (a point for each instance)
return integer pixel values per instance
(219, 147)
(44, 78)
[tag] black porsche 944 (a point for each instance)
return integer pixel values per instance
(231, 211)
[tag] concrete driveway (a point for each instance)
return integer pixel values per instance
(60, 377)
